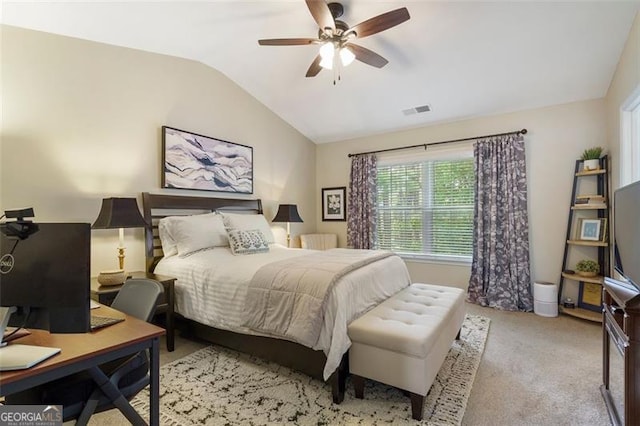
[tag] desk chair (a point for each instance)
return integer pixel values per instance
(112, 384)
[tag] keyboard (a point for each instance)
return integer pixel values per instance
(99, 322)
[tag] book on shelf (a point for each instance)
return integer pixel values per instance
(591, 200)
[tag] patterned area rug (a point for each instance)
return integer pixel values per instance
(215, 386)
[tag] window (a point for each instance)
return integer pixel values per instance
(425, 205)
(630, 139)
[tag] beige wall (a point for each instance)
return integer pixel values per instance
(625, 81)
(82, 121)
(557, 136)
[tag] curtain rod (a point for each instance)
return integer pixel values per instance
(425, 145)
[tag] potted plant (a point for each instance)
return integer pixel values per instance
(591, 158)
(587, 268)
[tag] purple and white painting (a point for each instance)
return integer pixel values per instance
(193, 161)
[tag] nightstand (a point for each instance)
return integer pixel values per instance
(105, 295)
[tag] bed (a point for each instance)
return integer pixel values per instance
(213, 288)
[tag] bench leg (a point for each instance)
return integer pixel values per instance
(458, 335)
(417, 404)
(358, 386)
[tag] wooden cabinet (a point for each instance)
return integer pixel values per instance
(621, 352)
(586, 238)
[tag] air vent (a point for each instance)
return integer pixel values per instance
(417, 110)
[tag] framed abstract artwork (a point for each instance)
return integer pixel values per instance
(193, 161)
(334, 203)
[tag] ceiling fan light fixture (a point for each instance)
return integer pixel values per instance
(327, 63)
(327, 50)
(346, 56)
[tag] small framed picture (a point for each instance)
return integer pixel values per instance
(590, 297)
(334, 203)
(592, 229)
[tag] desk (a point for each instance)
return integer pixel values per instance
(81, 351)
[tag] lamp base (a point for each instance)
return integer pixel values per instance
(121, 257)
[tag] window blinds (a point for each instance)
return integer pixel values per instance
(425, 206)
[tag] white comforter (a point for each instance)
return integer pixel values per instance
(211, 288)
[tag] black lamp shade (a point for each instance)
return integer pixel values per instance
(287, 213)
(119, 213)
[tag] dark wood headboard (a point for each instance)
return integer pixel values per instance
(157, 206)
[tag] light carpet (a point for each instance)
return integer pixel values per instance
(216, 386)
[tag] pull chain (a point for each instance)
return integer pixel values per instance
(337, 66)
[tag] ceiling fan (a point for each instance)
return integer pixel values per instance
(336, 36)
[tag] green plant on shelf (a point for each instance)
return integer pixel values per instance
(592, 153)
(588, 266)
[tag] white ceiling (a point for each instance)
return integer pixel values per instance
(464, 59)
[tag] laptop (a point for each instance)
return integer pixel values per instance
(20, 357)
(5, 314)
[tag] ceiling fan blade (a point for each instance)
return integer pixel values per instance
(315, 67)
(367, 56)
(380, 23)
(321, 13)
(286, 41)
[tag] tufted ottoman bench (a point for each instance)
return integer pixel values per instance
(404, 340)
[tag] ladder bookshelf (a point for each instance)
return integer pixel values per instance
(587, 238)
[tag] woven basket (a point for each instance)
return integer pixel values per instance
(116, 277)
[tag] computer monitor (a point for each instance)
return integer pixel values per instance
(626, 224)
(46, 276)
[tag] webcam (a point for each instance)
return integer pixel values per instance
(21, 228)
(19, 214)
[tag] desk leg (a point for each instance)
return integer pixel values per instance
(154, 383)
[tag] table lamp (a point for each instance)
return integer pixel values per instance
(119, 213)
(287, 213)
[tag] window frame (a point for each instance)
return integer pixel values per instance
(630, 139)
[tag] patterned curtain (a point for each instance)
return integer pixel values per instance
(500, 275)
(362, 207)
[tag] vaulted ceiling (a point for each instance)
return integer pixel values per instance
(463, 59)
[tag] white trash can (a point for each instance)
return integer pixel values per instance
(545, 299)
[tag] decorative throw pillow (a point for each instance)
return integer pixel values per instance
(247, 242)
(247, 222)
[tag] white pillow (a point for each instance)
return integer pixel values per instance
(248, 222)
(169, 246)
(247, 242)
(184, 235)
